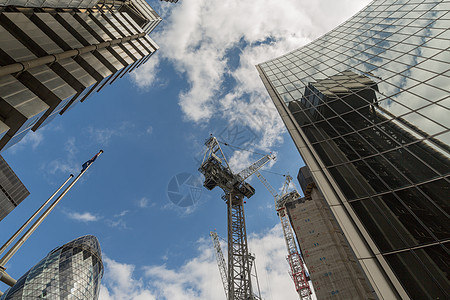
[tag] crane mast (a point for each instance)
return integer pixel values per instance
(217, 172)
(295, 261)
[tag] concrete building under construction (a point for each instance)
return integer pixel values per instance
(332, 266)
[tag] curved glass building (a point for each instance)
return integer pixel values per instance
(72, 271)
(368, 108)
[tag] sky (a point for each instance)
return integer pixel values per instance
(143, 197)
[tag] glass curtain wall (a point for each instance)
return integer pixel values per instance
(372, 98)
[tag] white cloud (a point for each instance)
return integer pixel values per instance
(33, 139)
(62, 166)
(83, 217)
(149, 130)
(104, 136)
(204, 39)
(239, 159)
(70, 147)
(120, 284)
(122, 213)
(198, 277)
(146, 77)
(144, 202)
(118, 221)
(67, 164)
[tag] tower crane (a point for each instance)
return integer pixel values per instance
(217, 172)
(295, 261)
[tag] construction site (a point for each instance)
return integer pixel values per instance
(319, 259)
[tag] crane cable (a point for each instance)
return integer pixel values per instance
(284, 175)
(236, 147)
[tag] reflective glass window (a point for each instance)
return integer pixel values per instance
(407, 265)
(381, 229)
(410, 166)
(439, 192)
(431, 216)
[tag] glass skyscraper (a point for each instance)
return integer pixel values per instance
(72, 271)
(368, 107)
(55, 54)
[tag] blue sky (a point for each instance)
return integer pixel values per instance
(152, 126)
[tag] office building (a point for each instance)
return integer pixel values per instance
(367, 106)
(72, 271)
(172, 1)
(12, 190)
(55, 54)
(331, 264)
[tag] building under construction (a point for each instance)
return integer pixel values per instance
(332, 266)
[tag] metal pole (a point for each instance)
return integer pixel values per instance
(41, 218)
(6, 278)
(15, 235)
(48, 59)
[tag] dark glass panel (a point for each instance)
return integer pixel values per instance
(326, 129)
(300, 115)
(352, 184)
(312, 133)
(433, 158)
(434, 219)
(437, 260)
(413, 230)
(375, 184)
(439, 191)
(397, 133)
(346, 149)
(387, 172)
(325, 111)
(361, 99)
(339, 106)
(410, 166)
(382, 231)
(373, 115)
(440, 255)
(339, 126)
(355, 120)
(362, 147)
(323, 149)
(378, 139)
(411, 272)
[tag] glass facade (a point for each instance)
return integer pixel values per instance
(72, 271)
(52, 57)
(370, 102)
